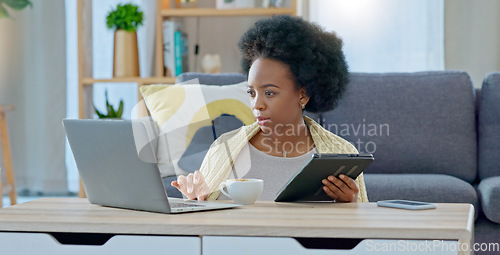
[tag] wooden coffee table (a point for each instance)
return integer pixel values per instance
(262, 228)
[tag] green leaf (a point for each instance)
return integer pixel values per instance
(18, 4)
(99, 114)
(109, 108)
(111, 112)
(106, 97)
(127, 17)
(120, 110)
(3, 12)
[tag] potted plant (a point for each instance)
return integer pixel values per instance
(13, 4)
(111, 112)
(125, 20)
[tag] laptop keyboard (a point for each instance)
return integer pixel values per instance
(181, 205)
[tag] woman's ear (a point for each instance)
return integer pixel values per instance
(304, 98)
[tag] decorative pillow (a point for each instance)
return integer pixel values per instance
(190, 117)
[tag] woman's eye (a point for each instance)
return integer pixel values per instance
(269, 93)
(251, 92)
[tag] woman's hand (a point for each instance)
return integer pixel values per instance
(344, 189)
(193, 186)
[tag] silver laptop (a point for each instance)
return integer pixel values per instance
(116, 172)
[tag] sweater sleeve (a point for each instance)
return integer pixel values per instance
(218, 161)
(362, 195)
(211, 173)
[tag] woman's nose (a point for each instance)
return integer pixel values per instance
(258, 103)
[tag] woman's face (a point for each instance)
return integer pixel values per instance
(276, 102)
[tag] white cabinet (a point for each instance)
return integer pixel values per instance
(43, 243)
(222, 245)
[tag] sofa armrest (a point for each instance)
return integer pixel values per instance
(489, 194)
(212, 79)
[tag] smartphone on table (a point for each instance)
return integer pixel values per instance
(406, 204)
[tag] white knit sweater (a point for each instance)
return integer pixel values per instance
(218, 162)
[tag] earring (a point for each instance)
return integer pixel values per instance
(303, 106)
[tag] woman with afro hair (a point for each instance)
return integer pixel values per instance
(292, 66)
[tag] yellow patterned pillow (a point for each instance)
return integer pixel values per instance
(187, 112)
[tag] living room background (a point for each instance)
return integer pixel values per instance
(39, 76)
(33, 79)
(379, 42)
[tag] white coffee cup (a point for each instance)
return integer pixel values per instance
(242, 191)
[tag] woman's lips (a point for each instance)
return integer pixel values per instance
(262, 121)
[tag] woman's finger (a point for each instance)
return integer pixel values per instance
(204, 185)
(202, 193)
(175, 184)
(189, 184)
(333, 189)
(337, 182)
(350, 182)
(197, 177)
(343, 190)
(181, 181)
(202, 178)
(330, 193)
(339, 185)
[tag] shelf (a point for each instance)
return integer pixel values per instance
(149, 80)
(85, 43)
(206, 12)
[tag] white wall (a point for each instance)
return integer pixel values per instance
(386, 35)
(32, 77)
(11, 84)
(472, 37)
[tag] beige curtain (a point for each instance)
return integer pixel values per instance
(472, 37)
(33, 78)
(386, 35)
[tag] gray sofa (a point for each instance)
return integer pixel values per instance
(434, 138)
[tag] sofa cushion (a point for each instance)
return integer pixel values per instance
(489, 194)
(412, 122)
(436, 188)
(489, 127)
(185, 113)
(195, 153)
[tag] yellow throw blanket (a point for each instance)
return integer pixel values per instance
(218, 162)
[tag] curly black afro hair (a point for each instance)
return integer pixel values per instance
(314, 56)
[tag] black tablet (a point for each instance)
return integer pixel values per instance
(306, 184)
